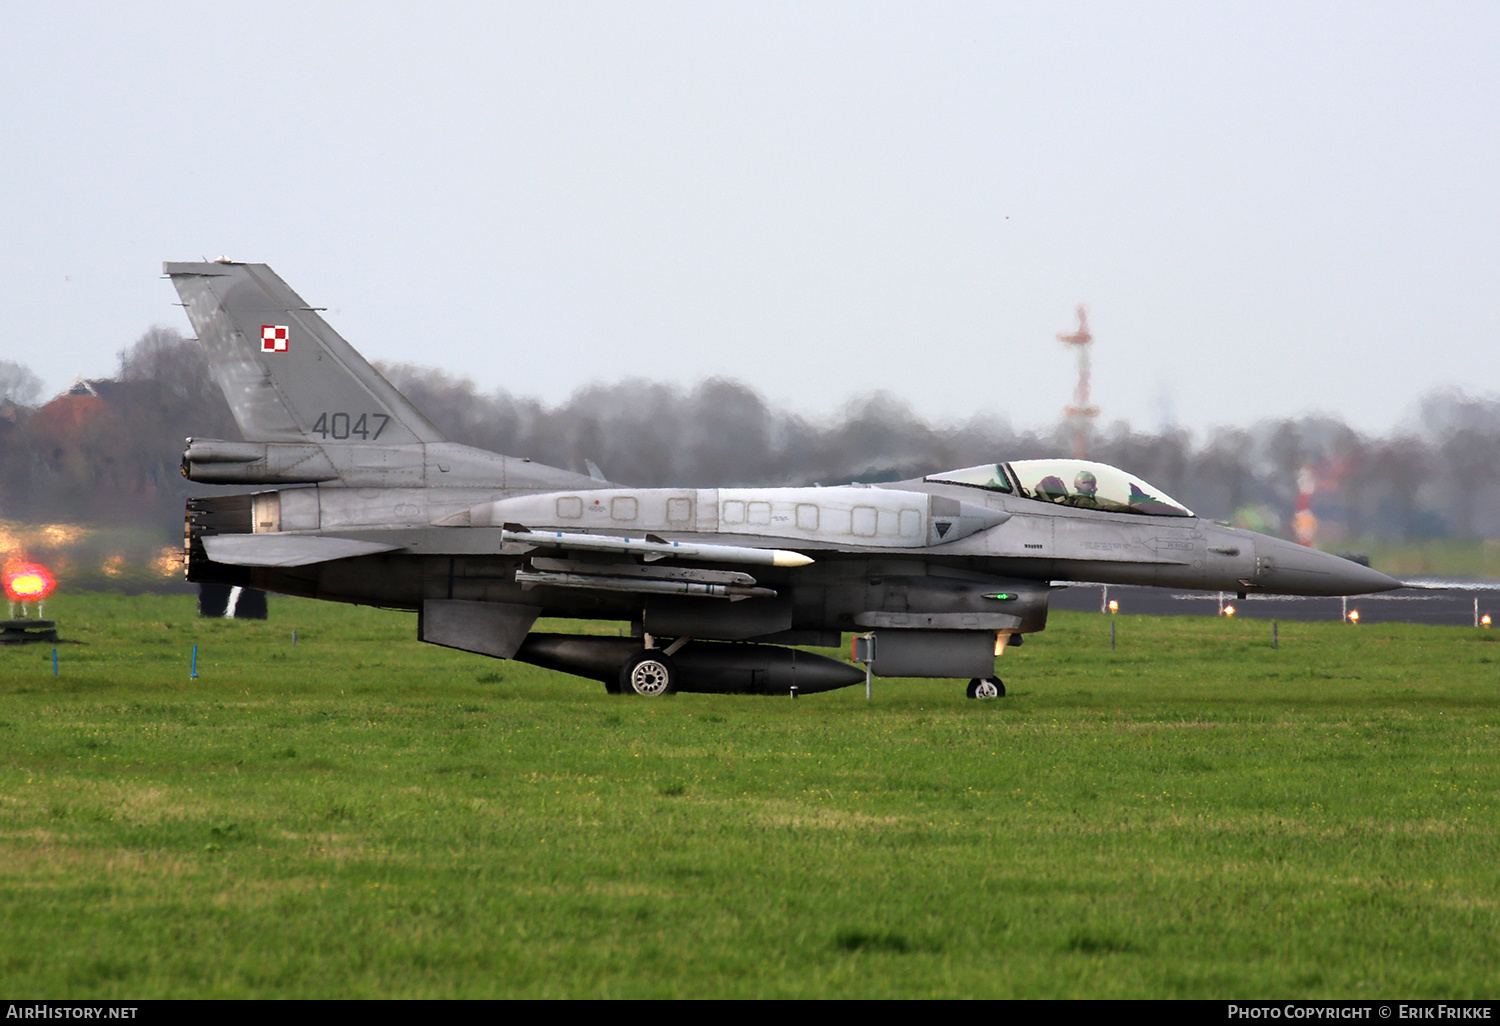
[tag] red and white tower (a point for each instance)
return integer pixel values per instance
(1080, 414)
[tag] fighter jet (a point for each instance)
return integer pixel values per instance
(365, 501)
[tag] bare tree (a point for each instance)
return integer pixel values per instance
(18, 383)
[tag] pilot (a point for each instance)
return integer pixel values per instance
(1086, 485)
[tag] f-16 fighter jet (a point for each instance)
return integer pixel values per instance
(365, 501)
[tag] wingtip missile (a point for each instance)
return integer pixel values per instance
(653, 546)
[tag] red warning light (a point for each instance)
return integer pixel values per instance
(27, 582)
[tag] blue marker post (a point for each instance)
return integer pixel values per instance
(54, 662)
(194, 675)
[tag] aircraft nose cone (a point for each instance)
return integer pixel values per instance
(1286, 568)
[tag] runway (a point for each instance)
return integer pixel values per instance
(1452, 602)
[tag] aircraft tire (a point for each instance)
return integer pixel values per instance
(989, 687)
(649, 674)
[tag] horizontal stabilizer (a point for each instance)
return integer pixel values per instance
(286, 549)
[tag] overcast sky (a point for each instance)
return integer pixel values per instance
(1269, 208)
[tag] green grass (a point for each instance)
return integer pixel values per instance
(1446, 557)
(359, 815)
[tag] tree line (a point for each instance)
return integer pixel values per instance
(108, 454)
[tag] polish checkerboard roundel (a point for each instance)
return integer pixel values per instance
(273, 338)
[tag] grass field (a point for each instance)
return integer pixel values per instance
(1451, 557)
(359, 815)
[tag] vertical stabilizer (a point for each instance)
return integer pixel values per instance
(287, 375)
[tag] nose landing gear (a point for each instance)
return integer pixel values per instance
(987, 687)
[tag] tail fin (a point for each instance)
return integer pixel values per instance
(288, 376)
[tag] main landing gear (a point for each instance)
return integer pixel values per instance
(650, 673)
(988, 687)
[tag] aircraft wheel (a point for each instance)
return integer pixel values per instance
(650, 674)
(989, 687)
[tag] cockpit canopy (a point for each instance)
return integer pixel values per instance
(1080, 483)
